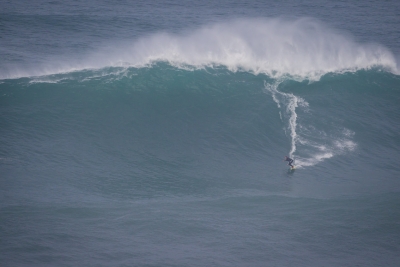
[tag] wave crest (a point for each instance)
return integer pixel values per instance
(303, 48)
(300, 48)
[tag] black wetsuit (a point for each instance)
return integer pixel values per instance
(290, 161)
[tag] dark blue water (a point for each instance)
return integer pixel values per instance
(153, 133)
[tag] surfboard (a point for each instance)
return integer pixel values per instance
(292, 169)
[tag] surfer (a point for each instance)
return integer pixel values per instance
(290, 161)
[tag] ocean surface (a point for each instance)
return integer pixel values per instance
(152, 133)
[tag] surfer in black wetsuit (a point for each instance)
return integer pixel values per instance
(290, 161)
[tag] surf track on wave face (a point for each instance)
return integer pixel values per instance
(314, 144)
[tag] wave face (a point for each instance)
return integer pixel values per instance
(197, 118)
(301, 48)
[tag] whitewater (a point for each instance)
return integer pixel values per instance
(299, 48)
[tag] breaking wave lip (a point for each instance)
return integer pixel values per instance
(302, 48)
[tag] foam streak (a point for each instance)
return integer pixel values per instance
(315, 144)
(290, 102)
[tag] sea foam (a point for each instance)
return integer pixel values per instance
(303, 48)
(300, 48)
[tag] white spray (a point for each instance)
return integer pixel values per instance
(303, 48)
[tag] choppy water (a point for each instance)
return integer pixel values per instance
(152, 134)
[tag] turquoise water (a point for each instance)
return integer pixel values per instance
(153, 134)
